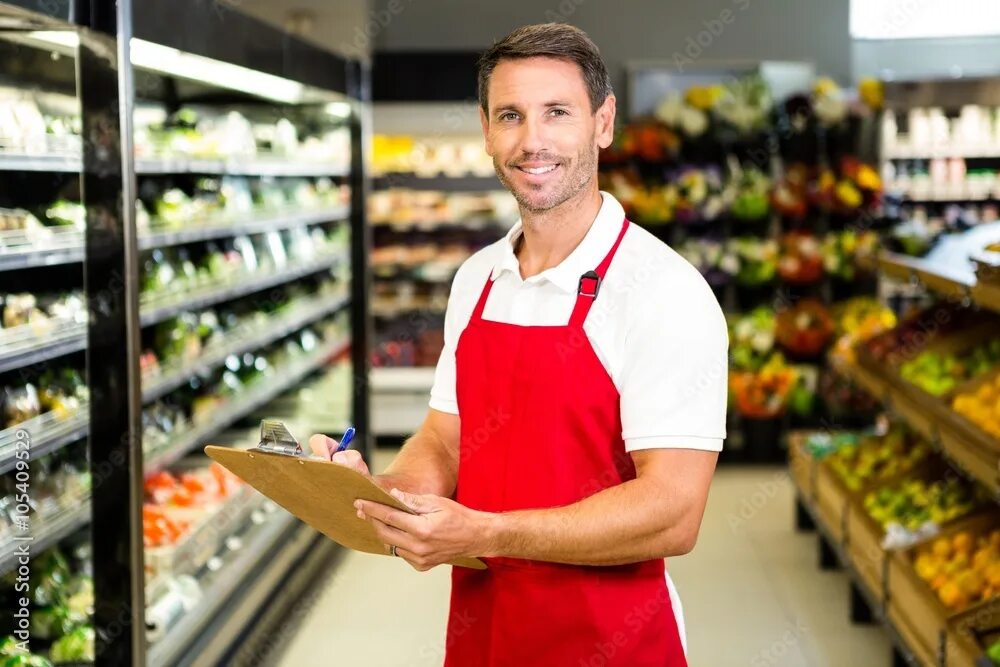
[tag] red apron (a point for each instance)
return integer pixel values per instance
(541, 427)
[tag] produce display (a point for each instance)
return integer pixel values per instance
(805, 329)
(430, 156)
(913, 503)
(62, 390)
(62, 599)
(937, 373)
(175, 503)
(29, 126)
(843, 251)
(200, 401)
(914, 331)
(751, 338)
(873, 458)
(175, 270)
(765, 392)
(981, 406)
(39, 311)
(962, 569)
(201, 133)
(428, 209)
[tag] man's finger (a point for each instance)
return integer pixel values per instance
(388, 515)
(350, 458)
(416, 562)
(420, 504)
(389, 535)
(321, 445)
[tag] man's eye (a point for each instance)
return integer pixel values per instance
(559, 112)
(510, 115)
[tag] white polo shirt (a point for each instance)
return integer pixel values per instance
(656, 326)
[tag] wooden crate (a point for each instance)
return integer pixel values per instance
(801, 465)
(911, 601)
(970, 633)
(831, 498)
(863, 535)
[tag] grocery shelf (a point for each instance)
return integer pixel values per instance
(253, 224)
(904, 152)
(253, 399)
(466, 183)
(21, 249)
(46, 532)
(471, 224)
(399, 399)
(877, 609)
(251, 166)
(412, 275)
(947, 281)
(971, 458)
(242, 556)
(172, 304)
(45, 434)
(69, 162)
(29, 344)
(244, 338)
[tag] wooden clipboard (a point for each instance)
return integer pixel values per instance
(318, 492)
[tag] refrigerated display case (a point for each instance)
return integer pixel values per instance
(183, 250)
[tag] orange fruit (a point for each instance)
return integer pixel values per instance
(962, 541)
(941, 547)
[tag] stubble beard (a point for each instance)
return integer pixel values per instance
(572, 183)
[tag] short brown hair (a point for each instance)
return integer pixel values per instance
(551, 40)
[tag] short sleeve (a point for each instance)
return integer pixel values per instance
(443, 392)
(673, 384)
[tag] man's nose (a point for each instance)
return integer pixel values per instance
(533, 136)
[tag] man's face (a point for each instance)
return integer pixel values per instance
(540, 130)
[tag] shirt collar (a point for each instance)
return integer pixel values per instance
(585, 257)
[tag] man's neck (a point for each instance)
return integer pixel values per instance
(550, 236)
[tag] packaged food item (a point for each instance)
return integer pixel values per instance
(20, 404)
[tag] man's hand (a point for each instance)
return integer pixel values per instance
(441, 531)
(326, 447)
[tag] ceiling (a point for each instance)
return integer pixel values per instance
(335, 25)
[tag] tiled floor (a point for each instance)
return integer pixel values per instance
(752, 593)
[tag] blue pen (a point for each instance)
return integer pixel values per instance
(346, 440)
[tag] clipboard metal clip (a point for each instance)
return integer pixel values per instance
(275, 438)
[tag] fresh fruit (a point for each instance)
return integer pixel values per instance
(961, 569)
(982, 406)
(938, 373)
(877, 457)
(913, 503)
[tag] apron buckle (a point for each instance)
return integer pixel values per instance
(593, 289)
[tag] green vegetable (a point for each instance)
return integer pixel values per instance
(8, 646)
(51, 622)
(77, 646)
(993, 652)
(51, 573)
(25, 660)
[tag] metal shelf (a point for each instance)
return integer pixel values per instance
(28, 344)
(467, 183)
(221, 228)
(283, 380)
(903, 152)
(69, 163)
(46, 434)
(49, 246)
(251, 336)
(170, 305)
(46, 532)
(257, 540)
(251, 166)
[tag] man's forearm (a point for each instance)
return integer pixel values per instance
(618, 525)
(423, 466)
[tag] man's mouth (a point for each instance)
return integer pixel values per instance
(537, 169)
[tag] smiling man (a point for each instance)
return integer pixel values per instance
(578, 406)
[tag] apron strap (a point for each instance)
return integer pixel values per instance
(590, 283)
(477, 313)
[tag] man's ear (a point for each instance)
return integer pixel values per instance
(485, 122)
(605, 116)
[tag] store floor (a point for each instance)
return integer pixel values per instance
(752, 592)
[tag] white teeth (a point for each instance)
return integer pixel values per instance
(539, 170)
